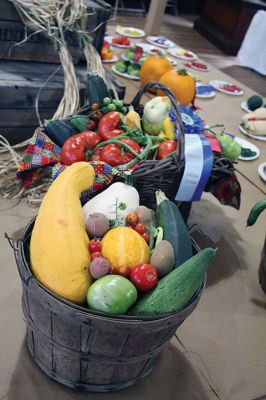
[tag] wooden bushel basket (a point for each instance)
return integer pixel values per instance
(86, 350)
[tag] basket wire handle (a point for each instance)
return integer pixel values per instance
(159, 86)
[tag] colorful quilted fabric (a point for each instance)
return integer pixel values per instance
(39, 156)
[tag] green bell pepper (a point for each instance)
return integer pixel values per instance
(112, 294)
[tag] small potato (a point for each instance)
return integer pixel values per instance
(163, 258)
(99, 267)
(146, 215)
(97, 225)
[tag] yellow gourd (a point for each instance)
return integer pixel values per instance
(122, 245)
(59, 252)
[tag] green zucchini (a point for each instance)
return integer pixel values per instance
(175, 230)
(96, 89)
(255, 212)
(59, 131)
(175, 290)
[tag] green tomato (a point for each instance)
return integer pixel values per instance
(111, 107)
(230, 148)
(130, 54)
(120, 66)
(118, 103)
(124, 110)
(112, 294)
(107, 101)
(132, 70)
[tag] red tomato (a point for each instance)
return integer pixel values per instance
(131, 219)
(146, 237)
(90, 125)
(165, 148)
(127, 156)
(140, 228)
(144, 277)
(96, 254)
(109, 122)
(97, 116)
(95, 245)
(113, 133)
(74, 149)
(95, 106)
(111, 154)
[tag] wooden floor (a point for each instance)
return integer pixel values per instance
(180, 29)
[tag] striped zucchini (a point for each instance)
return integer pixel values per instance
(175, 230)
(175, 290)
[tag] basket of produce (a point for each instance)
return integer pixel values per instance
(106, 285)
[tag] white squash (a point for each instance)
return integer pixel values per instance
(115, 202)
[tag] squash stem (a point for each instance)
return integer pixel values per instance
(160, 197)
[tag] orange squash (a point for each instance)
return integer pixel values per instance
(124, 246)
(153, 68)
(181, 84)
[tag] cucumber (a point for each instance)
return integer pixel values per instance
(255, 212)
(59, 131)
(175, 290)
(174, 228)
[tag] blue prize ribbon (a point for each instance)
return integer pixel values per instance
(206, 170)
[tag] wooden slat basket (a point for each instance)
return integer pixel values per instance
(87, 350)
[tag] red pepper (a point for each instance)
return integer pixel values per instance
(165, 148)
(109, 122)
(144, 277)
(74, 149)
(114, 154)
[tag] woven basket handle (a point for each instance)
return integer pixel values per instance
(155, 85)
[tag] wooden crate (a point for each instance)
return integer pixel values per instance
(39, 47)
(20, 83)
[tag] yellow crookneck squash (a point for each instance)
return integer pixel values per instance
(59, 252)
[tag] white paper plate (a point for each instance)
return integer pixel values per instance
(246, 144)
(125, 75)
(244, 106)
(108, 39)
(243, 130)
(218, 85)
(128, 31)
(166, 43)
(197, 68)
(179, 53)
(207, 95)
(114, 59)
(262, 171)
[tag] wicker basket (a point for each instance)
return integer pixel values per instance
(87, 350)
(166, 174)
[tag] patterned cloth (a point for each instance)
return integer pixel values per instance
(39, 156)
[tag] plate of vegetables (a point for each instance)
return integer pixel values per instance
(129, 31)
(121, 41)
(126, 69)
(205, 91)
(227, 87)
(183, 54)
(249, 151)
(160, 41)
(197, 66)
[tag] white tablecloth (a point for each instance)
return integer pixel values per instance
(252, 52)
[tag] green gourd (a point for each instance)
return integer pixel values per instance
(175, 290)
(254, 102)
(174, 228)
(96, 89)
(59, 131)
